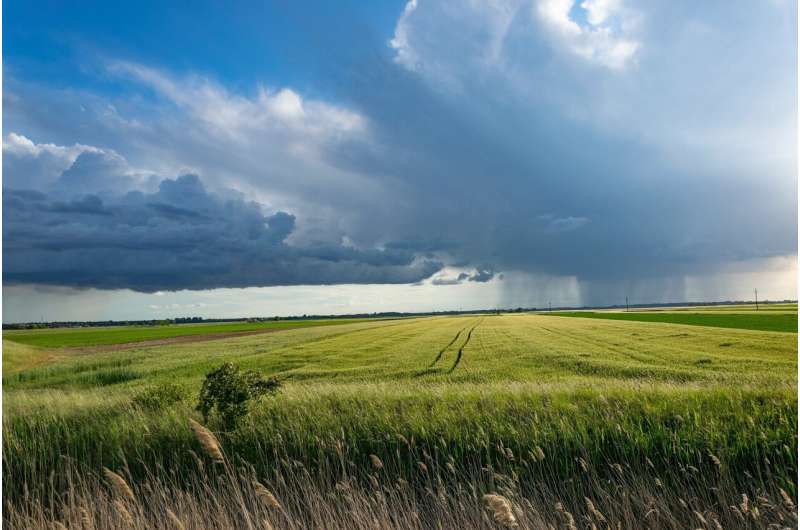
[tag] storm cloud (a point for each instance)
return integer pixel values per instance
(181, 236)
(603, 142)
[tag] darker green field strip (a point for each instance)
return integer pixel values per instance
(79, 375)
(82, 337)
(753, 321)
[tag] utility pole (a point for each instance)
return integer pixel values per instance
(549, 306)
(755, 291)
(626, 304)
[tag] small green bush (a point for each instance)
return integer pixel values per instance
(159, 396)
(230, 391)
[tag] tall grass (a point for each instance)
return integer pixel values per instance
(346, 491)
(630, 449)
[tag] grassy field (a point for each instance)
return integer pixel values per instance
(87, 337)
(637, 421)
(776, 320)
(779, 307)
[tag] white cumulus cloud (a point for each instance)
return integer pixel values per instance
(596, 41)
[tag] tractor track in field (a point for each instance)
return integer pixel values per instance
(441, 352)
(461, 349)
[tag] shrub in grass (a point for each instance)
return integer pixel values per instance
(229, 391)
(159, 396)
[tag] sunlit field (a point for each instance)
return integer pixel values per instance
(409, 423)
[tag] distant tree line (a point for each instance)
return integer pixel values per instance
(384, 314)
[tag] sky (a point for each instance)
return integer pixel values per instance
(258, 158)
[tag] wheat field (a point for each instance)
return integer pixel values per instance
(488, 421)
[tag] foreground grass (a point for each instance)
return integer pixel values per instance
(657, 451)
(222, 492)
(539, 409)
(83, 337)
(761, 321)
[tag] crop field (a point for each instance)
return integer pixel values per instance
(87, 337)
(411, 423)
(764, 320)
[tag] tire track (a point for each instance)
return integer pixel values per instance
(461, 349)
(441, 352)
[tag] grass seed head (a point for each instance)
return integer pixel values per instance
(175, 521)
(700, 517)
(119, 485)
(787, 500)
(594, 511)
(86, 519)
(266, 496)
(208, 441)
(501, 510)
(569, 520)
(123, 512)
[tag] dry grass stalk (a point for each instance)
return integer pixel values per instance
(787, 500)
(501, 510)
(119, 485)
(569, 520)
(176, 522)
(700, 517)
(58, 526)
(597, 514)
(266, 496)
(208, 441)
(123, 512)
(86, 519)
(738, 513)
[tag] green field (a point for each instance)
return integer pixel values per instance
(780, 307)
(87, 337)
(776, 320)
(474, 392)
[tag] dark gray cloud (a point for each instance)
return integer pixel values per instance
(182, 236)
